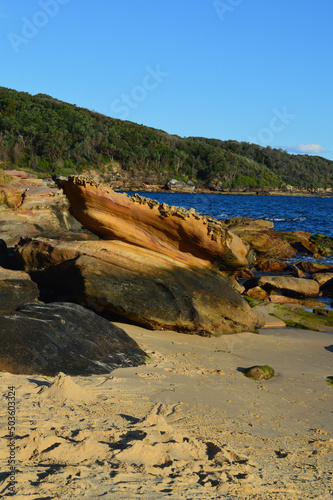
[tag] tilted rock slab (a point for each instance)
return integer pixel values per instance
(146, 223)
(152, 289)
(61, 337)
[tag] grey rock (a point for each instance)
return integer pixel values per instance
(63, 337)
(16, 289)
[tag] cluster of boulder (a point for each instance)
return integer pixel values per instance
(159, 266)
(78, 244)
(45, 338)
(304, 280)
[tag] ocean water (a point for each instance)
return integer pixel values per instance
(288, 213)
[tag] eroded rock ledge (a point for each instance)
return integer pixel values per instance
(146, 223)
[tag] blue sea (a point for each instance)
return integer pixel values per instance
(288, 213)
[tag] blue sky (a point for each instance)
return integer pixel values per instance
(250, 70)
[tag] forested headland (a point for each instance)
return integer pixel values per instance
(49, 137)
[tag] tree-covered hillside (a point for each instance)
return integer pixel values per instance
(49, 136)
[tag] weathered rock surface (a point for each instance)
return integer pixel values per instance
(322, 278)
(267, 243)
(272, 266)
(317, 245)
(31, 207)
(314, 267)
(142, 222)
(277, 245)
(275, 298)
(278, 287)
(257, 293)
(16, 289)
(61, 337)
(139, 284)
(247, 224)
(290, 286)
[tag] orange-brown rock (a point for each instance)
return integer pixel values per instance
(289, 286)
(31, 207)
(322, 278)
(171, 231)
(315, 267)
(11, 196)
(40, 253)
(247, 224)
(317, 245)
(136, 283)
(267, 243)
(257, 293)
(244, 274)
(271, 266)
(283, 299)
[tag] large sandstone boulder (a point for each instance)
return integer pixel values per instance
(142, 222)
(141, 285)
(51, 338)
(16, 289)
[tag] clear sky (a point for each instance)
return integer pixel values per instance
(250, 70)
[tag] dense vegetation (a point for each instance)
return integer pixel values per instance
(48, 136)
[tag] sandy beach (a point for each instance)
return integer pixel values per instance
(187, 425)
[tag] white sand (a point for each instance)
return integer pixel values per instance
(188, 425)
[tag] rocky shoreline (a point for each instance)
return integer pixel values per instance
(108, 407)
(131, 258)
(189, 187)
